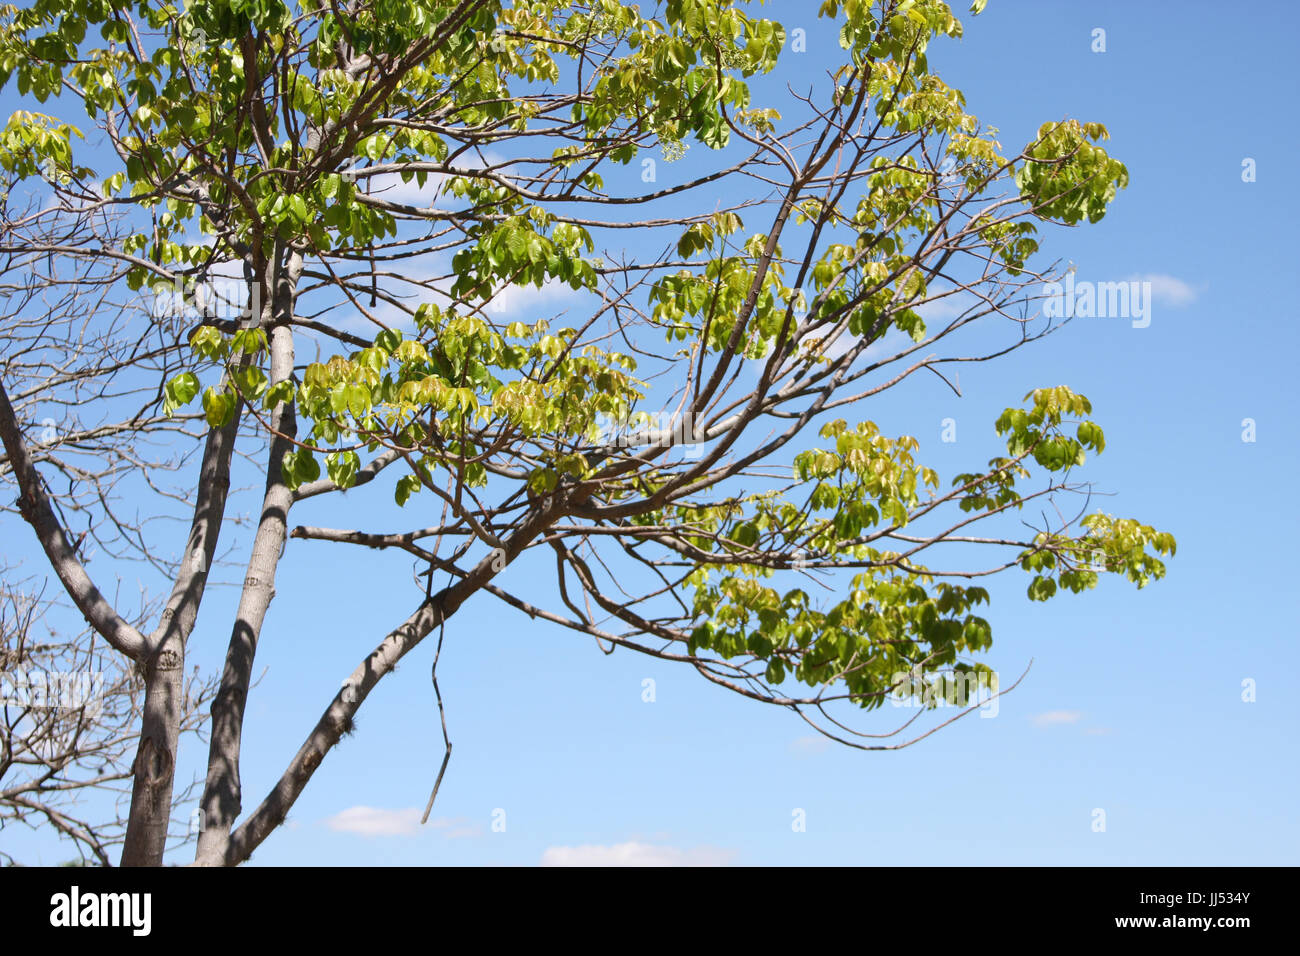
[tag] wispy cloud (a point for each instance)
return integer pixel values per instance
(391, 187)
(378, 822)
(1170, 290)
(375, 821)
(810, 744)
(633, 853)
(943, 306)
(456, 828)
(1053, 717)
(528, 302)
(887, 346)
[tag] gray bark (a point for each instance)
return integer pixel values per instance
(221, 802)
(34, 505)
(338, 716)
(164, 668)
(161, 656)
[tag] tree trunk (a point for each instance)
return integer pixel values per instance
(155, 761)
(164, 669)
(222, 799)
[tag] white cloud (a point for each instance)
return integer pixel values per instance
(888, 345)
(374, 821)
(811, 744)
(462, 832)
(377, 822)
(1169, 290)
(524, 302)
(456, 827)
(1053, 717)
(942, 305)
(633, 853)
(391, 188)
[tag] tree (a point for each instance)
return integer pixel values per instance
(379, 177)
(69, 717)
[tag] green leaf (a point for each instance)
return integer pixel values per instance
(209, 343)
(218, 407)
(250, 380)
(1041, 589)
(247, 341)
(180, 391)
(407, 485)
(282, 391)
(342, 467)
(358, 400)
(306, 467)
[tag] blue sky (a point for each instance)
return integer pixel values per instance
(1134, 701)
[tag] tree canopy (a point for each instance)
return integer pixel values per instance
(697, 437)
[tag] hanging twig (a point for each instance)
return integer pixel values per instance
(441, 713)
